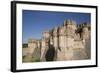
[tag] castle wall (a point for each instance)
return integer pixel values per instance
(62, 47)
(24, 51)
(88, 48)
(66, 43)
(31, 47)
(85, 33)
(44, 48)
(55, 38)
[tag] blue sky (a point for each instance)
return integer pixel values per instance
(36, 22)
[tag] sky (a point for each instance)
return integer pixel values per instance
(36, 22)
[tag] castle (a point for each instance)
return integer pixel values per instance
(67, 42)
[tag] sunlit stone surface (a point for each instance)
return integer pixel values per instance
(67, 42)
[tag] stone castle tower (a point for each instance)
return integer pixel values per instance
(67, 42)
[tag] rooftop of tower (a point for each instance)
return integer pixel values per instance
(69, 22)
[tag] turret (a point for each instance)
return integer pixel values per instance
(46, 34)
(85, 31)
(67, 22)
(71, 28)
(32, 43)
(55, 31)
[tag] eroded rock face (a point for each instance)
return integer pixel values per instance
(67, 42)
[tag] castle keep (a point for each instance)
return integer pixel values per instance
(67, 42)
